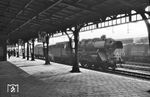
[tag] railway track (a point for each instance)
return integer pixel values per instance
(126, 72)
(138, 63)
(132, 74)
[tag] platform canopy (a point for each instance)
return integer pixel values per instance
(22, 19)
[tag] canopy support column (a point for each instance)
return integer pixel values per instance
(75, 67)
(47, 60)
(147, 25)
(23, 51)
(18, 50)
(27, 50)
(43, 50)
(32, 51)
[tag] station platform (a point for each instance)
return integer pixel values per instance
(38, 80)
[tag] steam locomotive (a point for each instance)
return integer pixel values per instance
(99, 53)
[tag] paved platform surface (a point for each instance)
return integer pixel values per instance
(55, 80)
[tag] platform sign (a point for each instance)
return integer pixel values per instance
(13, 88)
(42, 36)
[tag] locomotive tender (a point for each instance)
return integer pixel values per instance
(137, 52)
(99, 53)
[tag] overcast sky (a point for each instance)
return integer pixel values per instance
(131, 30)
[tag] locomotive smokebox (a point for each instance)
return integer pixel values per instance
(99, 44)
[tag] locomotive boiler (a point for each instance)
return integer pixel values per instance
(98, 53)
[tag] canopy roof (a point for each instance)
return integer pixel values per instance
(24, 18)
